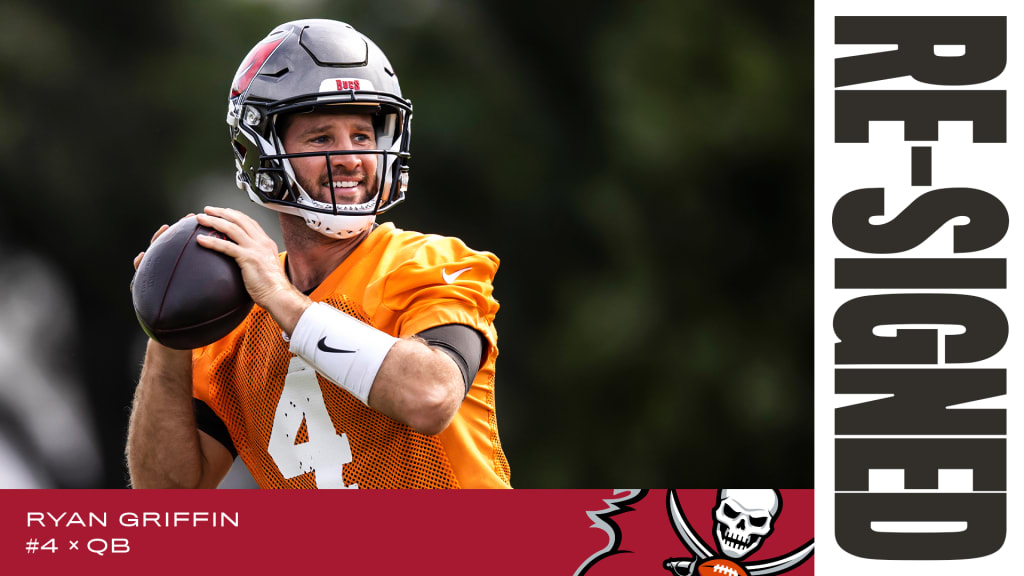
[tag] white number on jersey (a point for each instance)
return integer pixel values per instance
(326, 452)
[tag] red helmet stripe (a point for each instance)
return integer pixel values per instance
(252, 64)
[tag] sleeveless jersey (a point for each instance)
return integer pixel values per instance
(295, 429)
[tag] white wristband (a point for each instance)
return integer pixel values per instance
(341, 348)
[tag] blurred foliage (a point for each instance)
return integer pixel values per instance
(643, 170)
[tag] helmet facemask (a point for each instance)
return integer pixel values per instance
(330, 215)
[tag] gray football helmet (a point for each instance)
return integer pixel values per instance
(299, 67)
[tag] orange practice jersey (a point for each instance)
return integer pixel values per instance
(295, 429)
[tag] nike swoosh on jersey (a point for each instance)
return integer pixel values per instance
(449, 278)
(322, 344)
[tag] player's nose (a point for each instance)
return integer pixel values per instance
(346, 162)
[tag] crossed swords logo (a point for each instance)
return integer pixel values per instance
(701, 552)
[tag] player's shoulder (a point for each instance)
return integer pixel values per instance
(429, 280)
(431, 249)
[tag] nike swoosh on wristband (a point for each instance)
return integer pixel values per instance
(449, 278)
(322, 344)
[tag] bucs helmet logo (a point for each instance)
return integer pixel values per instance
(252, 64)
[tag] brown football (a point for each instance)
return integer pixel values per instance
(186, 296)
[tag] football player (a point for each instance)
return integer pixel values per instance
(368, 360)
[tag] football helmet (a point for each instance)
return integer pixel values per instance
(304, 66)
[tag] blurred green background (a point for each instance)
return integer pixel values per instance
(643, 170)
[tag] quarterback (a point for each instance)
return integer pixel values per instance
(368, 360)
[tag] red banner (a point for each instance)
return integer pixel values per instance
(559, 532)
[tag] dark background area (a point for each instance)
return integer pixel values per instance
(643, 170)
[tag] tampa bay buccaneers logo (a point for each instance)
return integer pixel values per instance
(652, 535)
(252, 64)
(743, 519)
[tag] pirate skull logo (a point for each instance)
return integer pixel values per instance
(743, 519)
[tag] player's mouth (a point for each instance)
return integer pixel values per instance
(346, 191)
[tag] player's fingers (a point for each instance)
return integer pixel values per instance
(251, 226)
(232, 230)
(243, 220)
(246, 223)
(163, 228)
(224, 246)
(138, 259)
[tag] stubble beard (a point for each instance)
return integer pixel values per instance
(314, 188)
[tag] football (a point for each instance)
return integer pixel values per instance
(186, 296)
(720, 567)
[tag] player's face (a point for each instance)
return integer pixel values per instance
(355, 175)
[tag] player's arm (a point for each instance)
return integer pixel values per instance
(165, 449)
(419, 385)
(413, 380)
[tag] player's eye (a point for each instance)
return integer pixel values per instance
(730, 512)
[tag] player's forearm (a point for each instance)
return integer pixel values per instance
(418, 386)
(163, 444)
(404, 379)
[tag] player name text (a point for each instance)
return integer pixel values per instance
(133, 519)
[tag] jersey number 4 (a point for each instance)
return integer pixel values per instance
(325, 452)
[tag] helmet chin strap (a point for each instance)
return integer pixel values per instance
(338, 227)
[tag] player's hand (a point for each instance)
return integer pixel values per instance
(257, 256)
